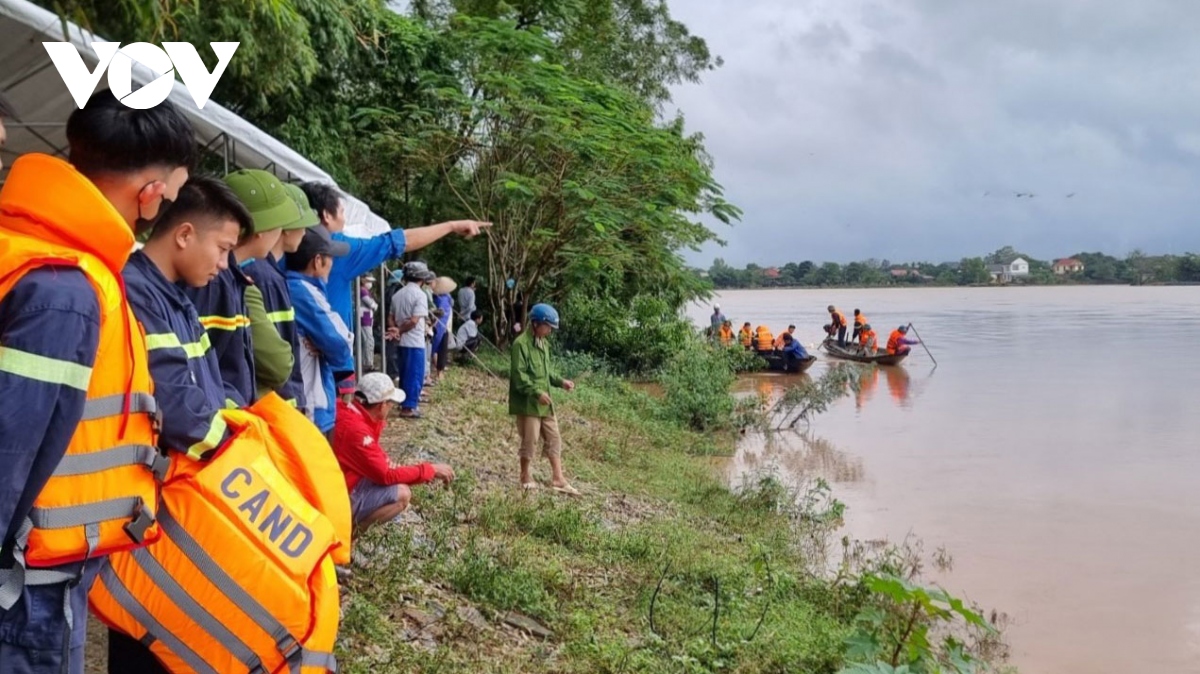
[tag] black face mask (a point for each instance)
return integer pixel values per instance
(143, 226)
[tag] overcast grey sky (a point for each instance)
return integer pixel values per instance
(903, 129)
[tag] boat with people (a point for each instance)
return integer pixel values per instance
(778, 361)
(855, 353)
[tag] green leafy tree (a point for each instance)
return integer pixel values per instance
(587, 190)
(972, 271)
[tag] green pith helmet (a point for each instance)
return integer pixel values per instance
(308, 217)
(264, 196)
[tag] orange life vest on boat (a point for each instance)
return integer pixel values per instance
(763, 340)
(242, 579)
(837, 320)
(747, 337)
(867, 339)
(894, 344)
(726, 335)
(860, 320)
(102, 497)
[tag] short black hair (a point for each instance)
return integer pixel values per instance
(469, 282)
(322, 197)
(791, 327)
(7, 111)
(787, 338)
(105, 136)
(204, 202)
(476, 315)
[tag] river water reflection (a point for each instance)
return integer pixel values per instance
(1052, 452)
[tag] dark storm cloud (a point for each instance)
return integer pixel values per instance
(850, 129)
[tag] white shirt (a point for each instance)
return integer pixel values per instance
(409, 302)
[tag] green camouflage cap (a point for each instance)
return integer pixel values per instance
(308, 217)
(265, 197)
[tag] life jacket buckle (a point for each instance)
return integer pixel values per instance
(292, 650)
(156, 421)
(160, 466)
(142, 521)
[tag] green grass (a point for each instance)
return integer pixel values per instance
(655, 528)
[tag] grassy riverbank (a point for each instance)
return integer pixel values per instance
(658, 567)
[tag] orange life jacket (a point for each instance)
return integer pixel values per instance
(763, 340)
(778, 343)
(242, 579)
(860, 320)
(867, 338)
(726, 335)
(102, 497)
(747, 337)
(894, 343)
(838, 320)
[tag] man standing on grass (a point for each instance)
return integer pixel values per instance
(530, 379)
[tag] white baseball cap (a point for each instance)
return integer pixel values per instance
(377, 387)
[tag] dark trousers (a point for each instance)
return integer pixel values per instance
(127, 655)
(842, 336)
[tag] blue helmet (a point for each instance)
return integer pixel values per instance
(544, 313)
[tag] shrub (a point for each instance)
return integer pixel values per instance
(696, 385)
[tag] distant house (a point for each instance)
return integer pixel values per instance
(1067, 265)
(904, 273)
(1005, 273)
(771, 272)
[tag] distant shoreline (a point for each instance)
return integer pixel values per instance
(932, 286)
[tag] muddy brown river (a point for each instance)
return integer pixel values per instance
(1053, 452)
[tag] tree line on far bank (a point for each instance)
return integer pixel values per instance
(1137, 268)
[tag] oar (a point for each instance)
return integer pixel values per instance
(920, 339)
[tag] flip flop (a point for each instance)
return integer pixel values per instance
(567, 489)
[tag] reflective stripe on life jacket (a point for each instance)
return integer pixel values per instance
(242, 579)
(224, 322)
(102, 496)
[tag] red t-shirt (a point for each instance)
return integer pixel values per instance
(356, 445)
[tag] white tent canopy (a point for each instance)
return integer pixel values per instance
(28, 79)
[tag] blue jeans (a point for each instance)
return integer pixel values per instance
(33, 631)
(412, 376)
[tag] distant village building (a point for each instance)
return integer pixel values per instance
(900, 273)
(771, 272)
(1005, 273)
(1067, 265)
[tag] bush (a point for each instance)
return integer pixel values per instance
(696, 385)
(635, 339)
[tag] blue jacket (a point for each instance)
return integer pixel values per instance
(222, 308)
(183, 365)
(271, 280)
(330, 337)
(365, 255)
(797, 349)
(38, 417)
(446, 304)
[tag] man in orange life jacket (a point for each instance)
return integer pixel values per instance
(73, 368)
(898, 341)
(859, 322)
(189, 247)
(837, 325)
(791, 330)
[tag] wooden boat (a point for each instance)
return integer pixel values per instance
(777, 361)
(851, 352)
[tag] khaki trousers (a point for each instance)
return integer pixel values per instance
(530, 429)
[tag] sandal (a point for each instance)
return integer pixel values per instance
(566, 489)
